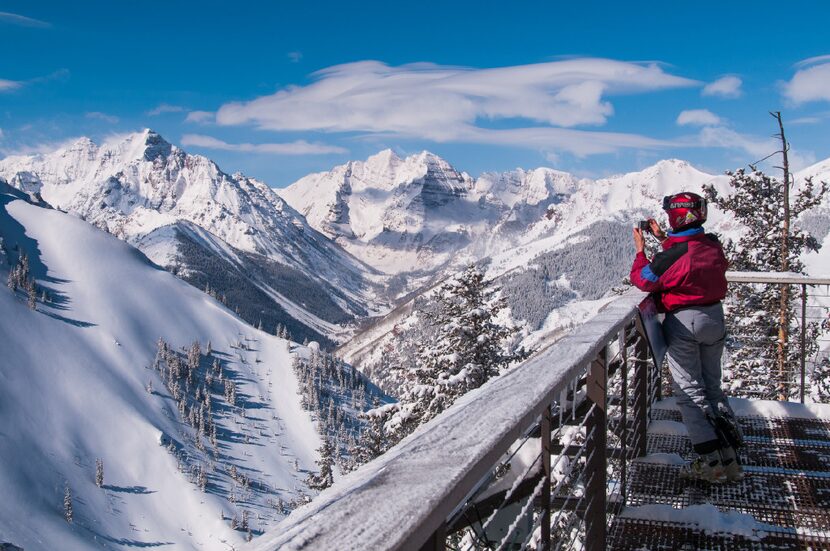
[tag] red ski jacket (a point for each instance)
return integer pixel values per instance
(690, 271)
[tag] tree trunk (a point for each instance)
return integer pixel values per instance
(784, 305)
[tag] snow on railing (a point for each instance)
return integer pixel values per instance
(411, 495)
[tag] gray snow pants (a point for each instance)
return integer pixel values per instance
(695, 338)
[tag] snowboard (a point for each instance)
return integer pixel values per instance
(652, 323)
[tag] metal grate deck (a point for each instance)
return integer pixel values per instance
(640, 535)
(786, 489)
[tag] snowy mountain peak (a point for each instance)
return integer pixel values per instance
(136, 184)
(387, 157)
(415, 213)
(384, 204)
(674, 167)
(818, 171)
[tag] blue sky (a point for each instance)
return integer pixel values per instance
(278, 90)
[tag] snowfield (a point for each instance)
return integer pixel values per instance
(73, 378)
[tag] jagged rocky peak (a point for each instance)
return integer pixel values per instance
(156, 146)
(526, 187)
(146, 144)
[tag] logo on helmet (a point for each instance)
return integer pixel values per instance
(685, 210)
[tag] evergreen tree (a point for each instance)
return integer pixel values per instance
(471, 347)
(372, 440)
(761, 318)
(32, 291)
(67, 504)
(820, 375)
(325, 477)
(820, 389)
(99, 472)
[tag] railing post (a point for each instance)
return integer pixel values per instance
(624, 432)
(641, 378)
(596, 449)
(546, 485)
(803, 337)
(437, 541)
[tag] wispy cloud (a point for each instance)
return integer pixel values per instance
(294, 57)
(165, 108)
(35, 148)
(299, 147)
(756, 147)
(697, 117)
(725, 87)
(810, 83)
(815, 118)
(813, 60)
(444, 103)
(721, 136)
(199, 117)
(112, 119)
(9, 85)
(22, 20)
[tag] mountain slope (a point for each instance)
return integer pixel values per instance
(73, 388)
(416, 214)
(134, 185)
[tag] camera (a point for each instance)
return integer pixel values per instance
(645, 226)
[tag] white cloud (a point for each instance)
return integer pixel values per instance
(811, 82)
(165, 108)
(725, 87)
(37, 148)
(815, 118)
(444, 103)
(720, 136)
(199, 116)
(806, 120)
(299, 147)
(698, 117)
(112, 119)
(23, 21)
(580, 143)
(9, 85)
(813, 60)
(756, 147)
(294, 57)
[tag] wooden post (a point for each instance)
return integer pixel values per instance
(546, 485)
(803, 338)
(596, 449)
(437, 541)
(624, 432)
(641, 397)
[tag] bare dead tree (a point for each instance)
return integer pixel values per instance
(784, 304)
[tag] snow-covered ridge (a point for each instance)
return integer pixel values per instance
(140, 182)
(417, 213)
(403, 215)
(76, 373)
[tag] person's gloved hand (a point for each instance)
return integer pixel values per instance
(639, 240)
(656, 230)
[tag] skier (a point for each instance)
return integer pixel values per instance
(688, 280)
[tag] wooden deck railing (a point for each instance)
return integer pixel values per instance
(575, 413)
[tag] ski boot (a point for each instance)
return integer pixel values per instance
(731, 465)
(707, 467)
